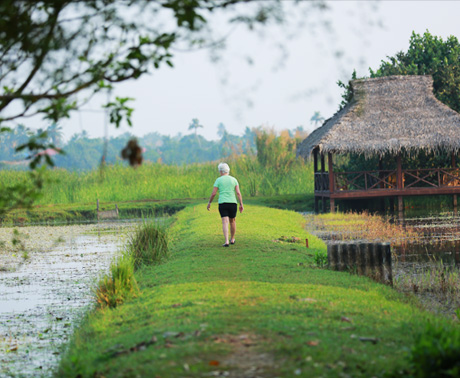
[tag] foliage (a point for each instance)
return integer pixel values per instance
(119, 284)
(148, 244)
(320, 259)
(429, 55)
(435, 352)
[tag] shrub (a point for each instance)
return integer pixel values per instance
(436, 352)
(149, 244)
(119, 284)
(320, 259)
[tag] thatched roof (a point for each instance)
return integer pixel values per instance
(387, 115)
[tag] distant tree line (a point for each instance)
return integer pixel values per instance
(84, 153)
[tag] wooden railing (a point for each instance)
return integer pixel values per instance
(387, 179)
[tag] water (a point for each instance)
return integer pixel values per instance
(425, 261)
(44, 297)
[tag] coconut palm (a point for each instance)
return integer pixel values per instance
(195, 124)
(317, 118)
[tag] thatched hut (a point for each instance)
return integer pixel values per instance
(386, 117)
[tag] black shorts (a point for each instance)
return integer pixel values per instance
(228, 209)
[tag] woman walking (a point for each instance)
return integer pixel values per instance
(228, 191)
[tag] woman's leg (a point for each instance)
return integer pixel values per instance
(232, 229)
(225, 228)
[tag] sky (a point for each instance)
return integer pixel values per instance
(278, 78)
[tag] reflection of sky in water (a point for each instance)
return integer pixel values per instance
(42, 300)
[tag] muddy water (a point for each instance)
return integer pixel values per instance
(43, 297)
(427, 266)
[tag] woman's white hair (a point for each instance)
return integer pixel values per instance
(223, 167)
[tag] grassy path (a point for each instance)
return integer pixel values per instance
(256, 309)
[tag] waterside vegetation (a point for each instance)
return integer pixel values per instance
(260, 306)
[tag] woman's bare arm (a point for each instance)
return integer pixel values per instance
(213, 194)
(240, 197)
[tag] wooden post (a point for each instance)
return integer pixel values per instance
(315, 160)
(400, 209)
(331, 181)
(97, 204)
(399, 185)
(454, 165)
(323, 187)
(381, 186)
(399, 178)
(331, 172)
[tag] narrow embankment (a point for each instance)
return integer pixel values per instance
(257, 309)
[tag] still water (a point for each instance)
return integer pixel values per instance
(43, 297)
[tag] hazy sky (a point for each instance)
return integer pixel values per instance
(290, 77)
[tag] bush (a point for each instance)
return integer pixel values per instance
(436, 353)
(320, 259)
(149, 244)
(115, 287)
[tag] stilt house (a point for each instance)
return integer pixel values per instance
(388, 118)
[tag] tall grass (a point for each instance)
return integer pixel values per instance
(119, 284)
(148, 244)
(162, 182)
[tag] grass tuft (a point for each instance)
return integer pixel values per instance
(114, 288)
(149, 244)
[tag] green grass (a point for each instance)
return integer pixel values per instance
(164, 182)
(257, 303)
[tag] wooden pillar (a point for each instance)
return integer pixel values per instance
(401, 209)
(381, 186)
(331, 181)
(332, 205)
(399, 185)
(399, 178)
(454, 199)
(315, 160)
(315, 180)
(323, 171)
(331, 172)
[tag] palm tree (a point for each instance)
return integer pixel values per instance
(195, 124)
(316, 118)
(54, 132)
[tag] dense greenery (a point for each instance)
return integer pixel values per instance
(159, 181)
(260, 304)
(84, 153)
(429, 55)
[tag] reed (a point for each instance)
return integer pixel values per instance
(163, 182)
(148, 245)
(362, 226)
